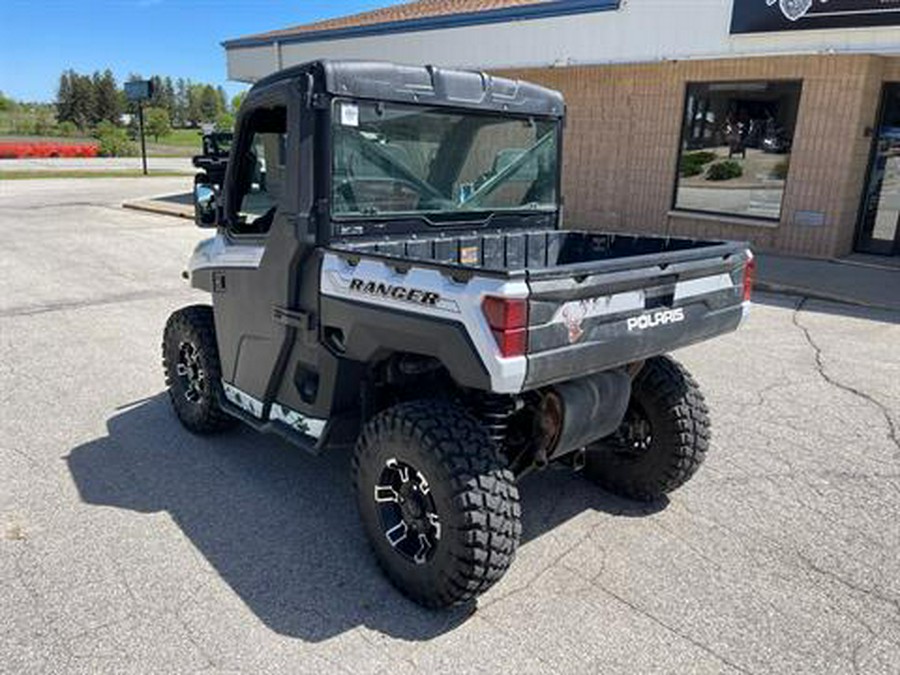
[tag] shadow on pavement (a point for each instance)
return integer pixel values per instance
(279, 525)
(186, 199)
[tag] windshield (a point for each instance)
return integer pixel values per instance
(394, 159)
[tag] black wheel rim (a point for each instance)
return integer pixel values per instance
(191, 374)
(408, 515)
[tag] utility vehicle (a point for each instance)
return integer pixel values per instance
(389, 272)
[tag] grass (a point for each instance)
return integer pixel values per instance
(86, 173)
(181, 137)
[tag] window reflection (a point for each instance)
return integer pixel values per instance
(736, 147)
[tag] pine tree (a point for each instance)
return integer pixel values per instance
(64, 97)
(181, 102)
(195, 112)
(106, 93)
(83, 110)
(209, 103)
(223, 100)
(168, 97)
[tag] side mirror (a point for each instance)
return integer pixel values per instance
(206, 205)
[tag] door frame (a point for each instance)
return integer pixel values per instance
(860, 242)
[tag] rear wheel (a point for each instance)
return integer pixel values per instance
(193, 373)
(662, 440)
(437, 502)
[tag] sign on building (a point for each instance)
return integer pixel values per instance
(764, 16)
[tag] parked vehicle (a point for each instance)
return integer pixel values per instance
(399, 282)
(214, 158)
(775, 141)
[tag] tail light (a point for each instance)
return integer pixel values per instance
(508, 319)
(749, 277)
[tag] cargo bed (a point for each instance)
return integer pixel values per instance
(542, 253)
(596, 301)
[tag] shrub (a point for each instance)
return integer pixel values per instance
(67, 128)
(224, 122)
(702, 156)
(16, 150)
(157, 123)
(780, 170)
(692, 162)
(114, 142)
(724, 170)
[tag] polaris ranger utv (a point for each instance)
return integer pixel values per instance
(389, 272)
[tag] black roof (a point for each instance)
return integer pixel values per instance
(425, 85)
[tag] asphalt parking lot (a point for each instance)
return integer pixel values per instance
(128, 545)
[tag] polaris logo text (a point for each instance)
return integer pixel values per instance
(381, 289)
(662, 318)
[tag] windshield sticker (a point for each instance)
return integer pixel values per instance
(349, 114)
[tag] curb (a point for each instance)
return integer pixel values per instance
(783, 289)
(175, 210)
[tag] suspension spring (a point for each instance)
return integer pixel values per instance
(495, 412)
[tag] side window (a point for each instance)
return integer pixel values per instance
(262, 175)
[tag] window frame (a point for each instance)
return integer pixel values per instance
(673, 206)
(337, 218)
(244, 139)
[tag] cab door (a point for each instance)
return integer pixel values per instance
(260, 252)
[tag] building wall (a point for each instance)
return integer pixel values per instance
(623, 135)
(639, 31)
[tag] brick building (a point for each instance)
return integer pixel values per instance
(772, 121)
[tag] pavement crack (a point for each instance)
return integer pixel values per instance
(892, 432)
(544, 570)
(872, 593)
(674, 630)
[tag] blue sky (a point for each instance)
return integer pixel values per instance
(41, 38)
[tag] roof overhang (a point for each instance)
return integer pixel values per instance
(539, 10)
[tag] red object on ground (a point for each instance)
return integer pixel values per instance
(18, 149)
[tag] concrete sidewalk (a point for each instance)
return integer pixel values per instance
(179, 164)
(180, 205)
(872, 283)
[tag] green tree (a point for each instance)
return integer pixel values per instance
(167, 96)
(225, 121)
(236, 102)
(209, 104)
(6, 103)
(223, 98)
(64, 98)
(180, 117)
(194, 111)
(83, 100)
(157, 122)
(106, 92)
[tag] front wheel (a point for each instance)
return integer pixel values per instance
(193, 373)
(662, 440)
(437, 502)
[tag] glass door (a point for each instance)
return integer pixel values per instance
(879, 227)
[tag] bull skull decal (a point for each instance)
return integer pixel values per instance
(792, 9)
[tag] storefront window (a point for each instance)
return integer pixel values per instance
(736, 147)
